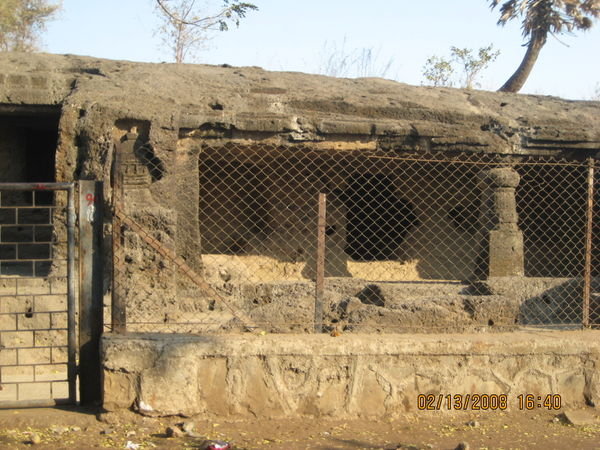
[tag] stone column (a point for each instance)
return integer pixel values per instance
(186, 203)
(501, 253)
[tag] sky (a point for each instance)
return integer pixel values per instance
(292, 35)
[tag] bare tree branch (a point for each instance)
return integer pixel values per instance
(185, 27)
(226, 14)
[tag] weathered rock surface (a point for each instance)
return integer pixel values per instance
(357, 306)
(347, 376)
(176, 109)
(580, 418)
(214, 100)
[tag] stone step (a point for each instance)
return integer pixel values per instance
(399, 291)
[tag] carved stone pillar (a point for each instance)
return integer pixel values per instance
(501, 253)
(136, 176)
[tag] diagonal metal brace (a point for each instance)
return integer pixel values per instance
(248, 323)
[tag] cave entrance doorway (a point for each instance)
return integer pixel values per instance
(28, 139)
(377, 219)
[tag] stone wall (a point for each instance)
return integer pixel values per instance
(344, 377)
(33, 341)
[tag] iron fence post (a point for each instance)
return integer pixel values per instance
(71, 301)
(587, 277)
(90, 289)
(320, 276)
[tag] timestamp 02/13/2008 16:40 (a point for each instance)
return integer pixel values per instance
(485, 402)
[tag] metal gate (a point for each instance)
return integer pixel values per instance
(38, 335)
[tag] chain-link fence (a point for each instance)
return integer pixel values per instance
(236, 237)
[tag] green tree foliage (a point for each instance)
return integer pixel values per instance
(439, 71)
(22, 22)
(473, 65)
(186, 24)
(538, 19)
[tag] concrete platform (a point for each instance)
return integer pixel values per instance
(283, 375)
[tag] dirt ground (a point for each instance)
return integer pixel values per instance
(71, 427)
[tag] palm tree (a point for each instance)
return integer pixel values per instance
(541, 17)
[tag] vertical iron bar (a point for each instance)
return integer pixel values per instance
(320, 277)
(118, 311)
(587, 277)
(1, 274)
(90, 290)
(71, 303)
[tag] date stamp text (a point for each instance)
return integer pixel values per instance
(488, 402)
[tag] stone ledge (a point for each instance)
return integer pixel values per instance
(347, 376)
